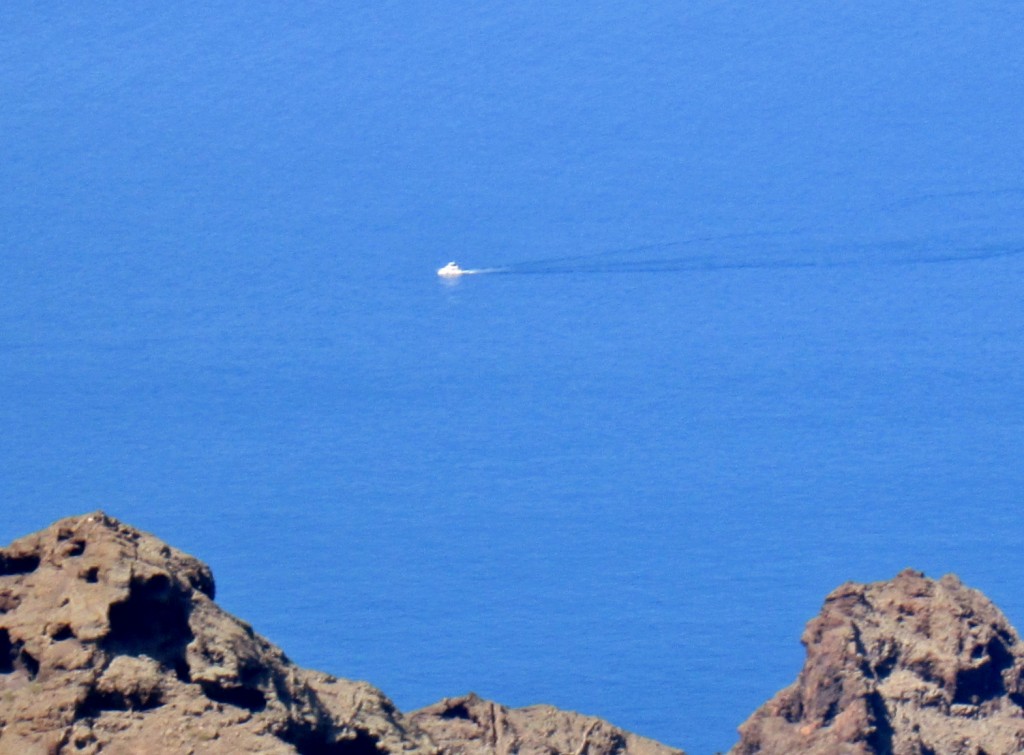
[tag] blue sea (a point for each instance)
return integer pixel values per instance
(758, 327)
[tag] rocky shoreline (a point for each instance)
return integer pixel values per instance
(110, 641)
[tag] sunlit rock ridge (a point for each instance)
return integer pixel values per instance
(110, 641)
(911, 666)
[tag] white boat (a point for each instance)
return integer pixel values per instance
(451, 270)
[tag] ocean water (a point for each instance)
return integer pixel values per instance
(759, 330)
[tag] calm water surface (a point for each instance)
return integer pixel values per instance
(761, 331)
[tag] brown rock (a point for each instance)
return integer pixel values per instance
(110, 640)
(911, 666)
(470, 725)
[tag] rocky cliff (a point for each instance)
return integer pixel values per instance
(912, 666)
(469, 725)
(110, 641)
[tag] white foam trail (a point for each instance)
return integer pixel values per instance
(452, 271)
(772, 250)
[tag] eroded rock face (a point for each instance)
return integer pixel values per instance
(469, 725)
(110, 640)
(911, 666)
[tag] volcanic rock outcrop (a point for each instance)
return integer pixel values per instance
(912, 666)
(470, 725)
(110, 642)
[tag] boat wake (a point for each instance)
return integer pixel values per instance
(930, 229)
(755, 253)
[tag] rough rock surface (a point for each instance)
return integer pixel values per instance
(909, 666)
(469, 725)
(110, 642)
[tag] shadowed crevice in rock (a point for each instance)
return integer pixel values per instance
(9, 601)
(152, 621)
(11, 566)
(885, 666)
(249, 698)
(880, 739)
(827, 699)
(245, 689)
(203, 582)
(312, 741)
(984, 682)
(14, 657)
(830, 713)
(29, 662)
(7, 653)
(457, 711)
(97, 702)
